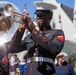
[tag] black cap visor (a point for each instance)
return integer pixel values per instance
(42, 12)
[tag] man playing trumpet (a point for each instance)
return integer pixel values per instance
(42, 45)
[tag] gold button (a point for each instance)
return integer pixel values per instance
(35, 48)
(36, 44)
(34, 54)
(44, 28)
(40, 31)
(39, 34)
(44, 38)
(35, 32)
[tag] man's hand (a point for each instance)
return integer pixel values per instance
(26, 23)
(23, 23)
(30, 25)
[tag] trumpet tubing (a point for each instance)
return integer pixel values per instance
(9, 10)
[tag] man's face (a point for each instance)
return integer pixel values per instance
(61, 59)
(42, 19)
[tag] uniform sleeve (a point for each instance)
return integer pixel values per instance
(17, 44)
(53, 44)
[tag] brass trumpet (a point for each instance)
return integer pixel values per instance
(9, 10)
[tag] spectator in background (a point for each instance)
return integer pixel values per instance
(22, 66)
(4, 63)
(16, 62)
(63, 67)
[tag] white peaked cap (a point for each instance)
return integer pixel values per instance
(41, 5)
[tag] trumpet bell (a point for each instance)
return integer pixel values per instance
(8, 10)
(5, 24)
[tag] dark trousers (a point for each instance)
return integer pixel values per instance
(40, 68)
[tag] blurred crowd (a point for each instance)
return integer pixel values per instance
(17, 66)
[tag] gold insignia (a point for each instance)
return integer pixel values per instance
(37, 4)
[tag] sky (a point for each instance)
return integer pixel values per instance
(31, 8)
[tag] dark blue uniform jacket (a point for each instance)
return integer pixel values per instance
(39, 44)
